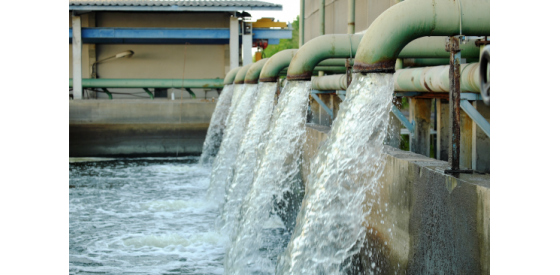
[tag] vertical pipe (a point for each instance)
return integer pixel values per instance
(438, 129)
(454, 104)
(77, 56)
(301, 22)
(233, 42)
(322, 18)
(473, 146)
(420, 143)
(351, 16)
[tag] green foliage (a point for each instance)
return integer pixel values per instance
(285, 43)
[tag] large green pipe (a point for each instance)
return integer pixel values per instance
(402, 23)
(436, 79)
(230, 76)
(275, 64)
(319, 49)
(317, 69)
(252, 76)
(434, 47)
(240, 76)
(150, 83)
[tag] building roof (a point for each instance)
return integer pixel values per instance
(172, 5)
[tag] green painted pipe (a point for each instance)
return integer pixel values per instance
(230, 76)
(317, 69)
(423, 62)
(275, 64)
(319, 49)
(151, 83)
(301, 22)
(240, 76)
(402, 23)
(335, 62)
(436, 79)
(252, 75)
(434, 47)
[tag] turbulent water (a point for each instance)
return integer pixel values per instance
(276, 190)
(142, 216)
(235, 128)
(217, 125)
(246, 160)
(331, 227)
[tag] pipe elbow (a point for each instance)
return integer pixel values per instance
(240, 76)
(252, 75)
(319, 49)
(402, 23)
(275, 64)
(230, 76)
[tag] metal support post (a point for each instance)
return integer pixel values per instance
(77, 56)
(452, 47)
(233, 42)
(149, 93)
(400, 116)
(321, 103)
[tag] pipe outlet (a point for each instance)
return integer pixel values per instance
(271, 69)
(230, 76)
(240, 76)
(485, 75)
(400, 24)
(252, 76)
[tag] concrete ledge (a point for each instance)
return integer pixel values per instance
(138, 127)
(423, 221)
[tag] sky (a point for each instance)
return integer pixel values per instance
(290, 10)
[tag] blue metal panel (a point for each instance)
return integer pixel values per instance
(403, 120)
(329, 111)
(272, 33)
(273, 41)
(476, 116)
(171, 35)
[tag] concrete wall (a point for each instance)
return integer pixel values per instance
(138, 127)
(433, 223)
(155, 61)
(336, 15)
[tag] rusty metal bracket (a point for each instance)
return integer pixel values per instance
(348, 72)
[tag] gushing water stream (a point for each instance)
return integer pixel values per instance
(235, 128)
(242, 176)
(217, 126)
(268, 211)
(330, 226)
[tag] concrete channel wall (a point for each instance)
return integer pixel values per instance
(138, 127)
(433, 222)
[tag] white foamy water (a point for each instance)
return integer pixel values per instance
(143, 216)
(246, 160)
(276, 190)
(330, 227)
(235, 128)
(217, 125)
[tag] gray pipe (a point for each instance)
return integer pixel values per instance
(329, 82)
